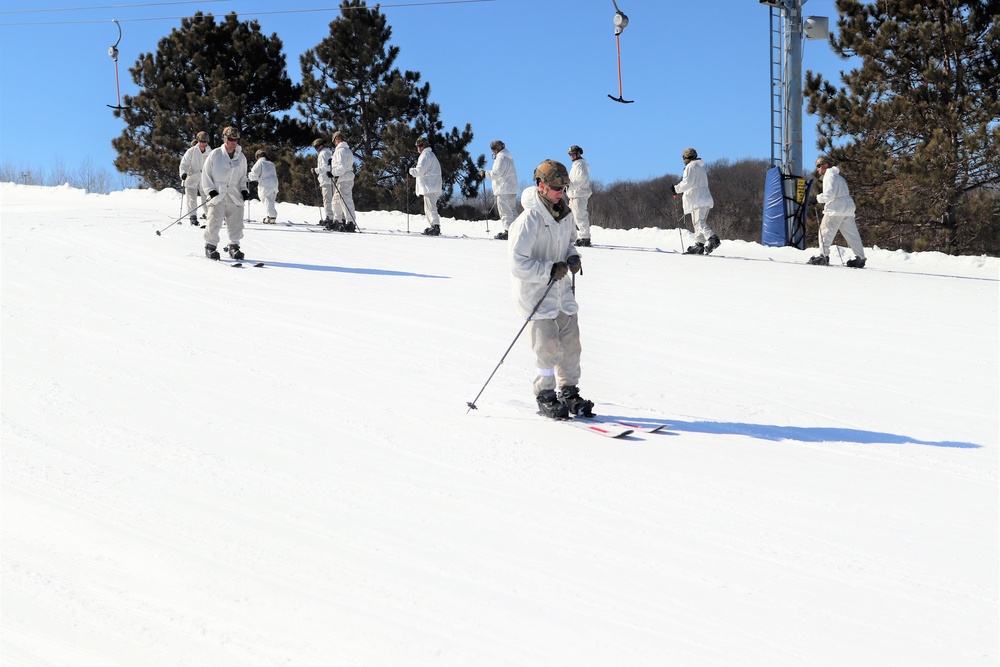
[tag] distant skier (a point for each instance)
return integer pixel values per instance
(697, 201)
(541, 251)
(224, 178)
(428, 175)
(342, 168)
(325, 178)
(192, 163)
(579, 193)
(838, 215)
(266, 177)
(504, 177)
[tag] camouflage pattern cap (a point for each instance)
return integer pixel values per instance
(551, 172)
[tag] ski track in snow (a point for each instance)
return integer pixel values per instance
(278, 466)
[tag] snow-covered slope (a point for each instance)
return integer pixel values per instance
(208, 465)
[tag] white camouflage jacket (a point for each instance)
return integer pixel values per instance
(536, 242)
(224, 174)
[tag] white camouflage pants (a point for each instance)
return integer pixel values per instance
(431, 208)
(268, 199)
(327, 189)
(582, 216)
(847, 226)
(699, 219)
(224, 210)
(343, 201)
(192, 189)
(507, 206)
(556, 344)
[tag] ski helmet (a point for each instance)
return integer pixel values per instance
(551, 172)
(319, 142)
(689, 154)
(201, 137)
(339, 135)
(259, 154)
(823, 159)
(230, 132)
(422, 142)
(575, 149)
(497, 145)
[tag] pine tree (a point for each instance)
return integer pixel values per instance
(349, 84)
(203, 77)
(915, 127)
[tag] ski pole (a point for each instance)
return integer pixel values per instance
(407, 177)
(181, 210)
(180, 218)
(487, 215)
(472, 403)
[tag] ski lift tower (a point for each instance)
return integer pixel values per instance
(787, 29)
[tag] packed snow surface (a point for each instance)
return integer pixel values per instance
(260, 466)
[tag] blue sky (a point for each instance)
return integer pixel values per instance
(536, 74)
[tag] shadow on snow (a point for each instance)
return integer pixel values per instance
(347, 269)
(797, 433)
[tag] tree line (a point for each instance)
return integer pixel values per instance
(914, 129)
(208, 74)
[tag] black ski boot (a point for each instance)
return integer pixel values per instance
(712, 244)
(433, 230)
(502, 236)
(234, 251)
(550, 406)
(575, 404)
(856, 263)
(583, 243)
(211, 252)
(819, 260)
(194, 220)
(349, 226)
(696, 249)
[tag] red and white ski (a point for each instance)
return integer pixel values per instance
(607, 429)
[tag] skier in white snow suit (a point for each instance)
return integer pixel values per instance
(697, 201)
(542, 251)
(428, 175)
(342, 168)
(504, 177)
(224, 178)
(838, 215)
(192, 163)
(325, 178)
(579, 193)
(267, 185)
